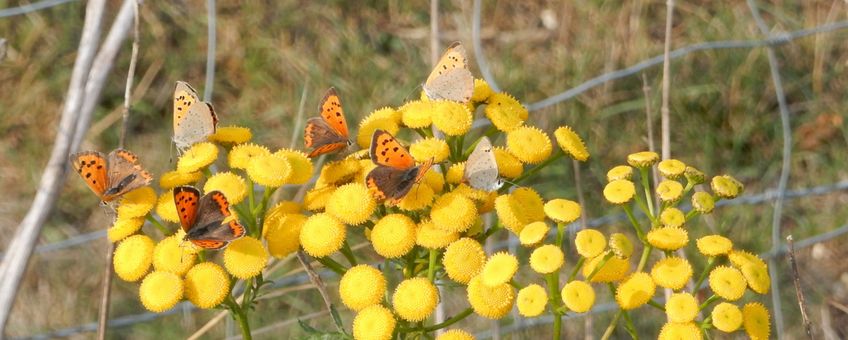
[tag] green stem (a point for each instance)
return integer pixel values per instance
(629, 325)
(601, 265)
(656, 305)
(348, 253)
(207, 172)
(454, 319)
(647, 186)
(611, 327)
(577, 269)
(634, 222)
(709, 301)
(529, 173)
(646, 252)
(156, 224)
(241, 317)
(331, 264)
(431, 265)
(250, 199)
(710, 263)
(692, 213)
(559, 235)
(553, 297)
(259, 211)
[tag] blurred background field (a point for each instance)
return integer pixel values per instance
(724, 120)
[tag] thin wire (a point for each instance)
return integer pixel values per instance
(24, 9)
(476, 42)
(210, 50)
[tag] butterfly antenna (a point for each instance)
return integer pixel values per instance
(414, 89)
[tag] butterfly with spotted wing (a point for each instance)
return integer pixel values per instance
(451, 79)
(396, 172)
(327, 133)
(203, 218)
(110, 176)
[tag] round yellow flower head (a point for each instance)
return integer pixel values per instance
(338, 172)
(430, 148)
(533, 233)
(681, 307)
(415, 299)
(571, 143)
(671, 272)
(374, 323)
(590, 243)
(671, 168)
(619, 191)
(529, 144)
(505, 112)
(474, 194)
(547, 259)
(508, 165)
(316, 198)
(755, 317)
(672, 217)
(133, 257)
(269, 170)
(532, 300)
(206, 285)
(642, 159)
(166, 209)
(418, 198)
(170, 256)
(245, 257)
(668, 238)
(714, 245)
(635, 291)
(362, 286)
(669, 191)
(453, 212)
(578, 296)
(678, 331)
(197, 157)
(283, 234)
(620, 172)
(482, 91)
(726, 317)
(187, 247)
(322, 235)
(455, 173)
(452, 118)
(694, 176)
(173, 179)
(300, 164)
(230, 184)
(727, 282)
(231, 135)
(159, 291)
(283, 208)
(490, 302)
(757, 277)
(428, 236)
(562, 210)
(499, 269)
(377, 120)
(613, 270)
(703, 202)
(241, 155)
(620, 245)
(532, 205)
(725, 186)
(351, 204)
(463, 260)
(124, 227)
(740, 257)
(455, 334)
(137, 203)
(393, 236)
(417, 114)
(435, 180)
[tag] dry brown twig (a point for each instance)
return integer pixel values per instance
(799, 293)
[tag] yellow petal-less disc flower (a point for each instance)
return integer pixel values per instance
(668, 238)
(578, 296)
(418, 198)
(455, 173)
(166, 209)
(206, 285)
(197, 157)
(415, 299)
(671, 272)
(693, 175)
(463, 260)
(499, 269)
(159, 291)
(417, 114)
(170, 256)
(508, 165)
(316, 198)
(547, 259)
(669, 191)
(322, 235)
(453, 212)
(562, 210)
(490, 302)
(571, 143)
(671, 168)
(757, 277)
(703, 202)
(173, 179)
(374, 323)
(362, 286)
(619, 191)
(532, 300)
(672, 217)
(241, 155)
(725, 186)
(133, 257)
(620, 245)
(245, 257)
(613, 270)
(430, 237)
(231, 135)
(124, 227)
(620, 172)
(430, 148)
(474, 194)
(681, 307)
(452, 118)
(726, 317)
(435, 180)
(137, 203)
(455, 334)
(642, 159)
(505, 112)
(232, 185)
(529, 144)
(590, 243)
(283, 208)
(740, 257)
(532, 205)
(283, 234)
(300, 164)
(680, 331)
(339, 172)
(373, 123)
(727, 282)
(269, 171)
(393, 236)
(533, 233)
(351, 204)
(482, 91)
(755, 317)
(714, 245)
(188, 247)
(635, 291)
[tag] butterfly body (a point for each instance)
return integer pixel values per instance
(327, 133)
(451, 79)
(396, 172)
(110, 176)
(481, 168)
(194, 120)
(203, 218)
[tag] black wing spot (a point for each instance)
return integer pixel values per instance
(182, 209)
(395, 149)
(94, 181)
(87, 175)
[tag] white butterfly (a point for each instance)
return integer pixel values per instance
(481, 169)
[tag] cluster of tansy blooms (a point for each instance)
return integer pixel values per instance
(435, 235)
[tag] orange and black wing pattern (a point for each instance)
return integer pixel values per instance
(327, 133)
(387, 151)
(92, 167)
(186, 199)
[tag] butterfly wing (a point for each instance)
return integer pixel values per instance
(392, 184)
(186, 199)
(184, 97)
(481, 169)
(209, 230)
(320, 136)
(197, 124)
(451, 79)
(92, 167)
(125, 174)
(331, 111)
(387, 151)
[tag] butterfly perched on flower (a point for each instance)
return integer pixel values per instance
(327, 133)
(396, 172)
(481, 168)
(451, 79)
(204, 219)
(110, 176)
(194, 120)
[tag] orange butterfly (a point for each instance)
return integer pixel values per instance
(396, 171)
(327, 133)
(202, 218)
(110, 176)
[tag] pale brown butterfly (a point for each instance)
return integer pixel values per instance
(110, 176)
(481, 169)
(451, 79)
(194, 120)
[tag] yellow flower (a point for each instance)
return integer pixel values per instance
(680, 331)
(166, 209)
(124, 227)
(382, 119)
(283, 234)
(532, 300)
(428, 236)
(231, 135)
(415, 299)
(672, 217)
(417, 114)
(278, 211)
(241, 155)
(490, 302)
(160, 291)
(230, 184)
(693, 175)
(482, 91)
(620, 245)
(338, 172)
(467, 191)
(351, 204)
(727, 282)
(499, 268)
(173, 179)
(455, 173)
(532, 205)
(703, 202)
(393, 236)
(619, 172)
(590, 243)
(671, 272)
(533, 233)
(669, 191)
(300, 164)
(418, 198)
(740, 257)
(547, 259)
(635, 291)
(453, 212)
(374, 323)
(450, 117)
(681, 307)
(505, 112)
(362, 286)
(714, 245)
(245, 257)
(562, 210)
(755, 317)
(206, 285)
(133, 257)
(529, 144)
(726, 317)
(137, 203)
(269, 171)
(619, 191)
(188, 247)
(642, 159)
(613, 270)
(430, 148)
(757, 277)
(170, 256)
(671, 168)
(463, 260)
(322, 235)
(508, 165)
(578, 296)
(435, 180)
(668, 238)
(725, 186)
(197, 157)
(571, 143)
(316, 198)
